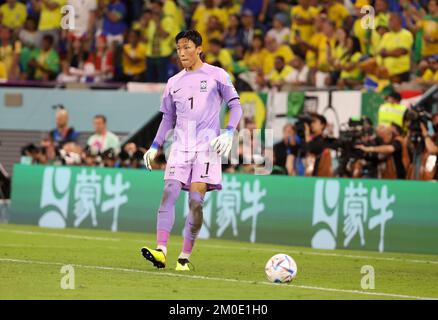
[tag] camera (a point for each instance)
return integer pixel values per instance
(358, 131)
(300, 124)
(416, 116)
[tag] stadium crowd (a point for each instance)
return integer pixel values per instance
(262, 43)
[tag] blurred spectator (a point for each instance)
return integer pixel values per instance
(277, 77)
(28, 35)
(325, 47)
(203, 12)
(311, 47)
(214, 30)
(426, 28)
(249, 28)
(279, 30)
(85, 15)
(160, 43)
(286, 148)
(63, 134)
(50, 19)
(231, 7)
(336, 11)
(217, 53)
(44, 63)
(318, 159)
(275, 49)
(49, 153)
(171, 8)
(381, 12)
(233, 35)
(363, 34)
(13, 14)
(131, 156)
(351, 74)
(303, 19)
(66, 75)
(257, 7)
(134, 58)
(113, 21)
(255, 56)
(109, 158)
(77, 54)
(395, 51)
(300, 73)
(99, 66)
(9, 53)
(428, 71)
(103, 139)
(89, 157)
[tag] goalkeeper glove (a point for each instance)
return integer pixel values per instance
(223, 143)
(150, 155)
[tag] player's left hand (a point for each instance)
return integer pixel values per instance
(223, 143)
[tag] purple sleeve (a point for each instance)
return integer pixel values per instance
(168, 121)
(231, 98)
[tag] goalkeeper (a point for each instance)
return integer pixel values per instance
(191, 105)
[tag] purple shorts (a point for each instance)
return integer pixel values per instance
(199, 166)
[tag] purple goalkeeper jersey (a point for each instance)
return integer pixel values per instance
(192, 101)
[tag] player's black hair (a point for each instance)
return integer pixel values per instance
(193, 35)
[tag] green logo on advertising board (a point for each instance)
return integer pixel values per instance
(89, 190)
(362, 209)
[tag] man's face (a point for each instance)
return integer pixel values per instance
(270, 43)
(433, 7)
(288, 132)
(316, 126)
(188, 53)
(394, 23)
(279, 64)
(61, 119)
(99, 125)
(155, 8)
(381, 6)
(11, 2)
(247, 20)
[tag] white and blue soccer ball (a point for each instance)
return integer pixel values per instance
(281, 268)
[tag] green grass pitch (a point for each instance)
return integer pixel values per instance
(110, 266)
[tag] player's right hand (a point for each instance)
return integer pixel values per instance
(149, 156)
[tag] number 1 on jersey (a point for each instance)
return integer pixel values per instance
(191, 103)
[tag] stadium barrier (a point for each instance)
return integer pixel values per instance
(377, 215)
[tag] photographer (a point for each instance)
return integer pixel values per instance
(318, 160)
(285, 151)
(392, 153)
(354, 163)
(429, 167)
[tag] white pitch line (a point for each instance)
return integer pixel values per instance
(380, 294)
(322, 254)
(73, 236)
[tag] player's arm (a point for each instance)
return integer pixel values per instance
(167, 123)
(223, 143)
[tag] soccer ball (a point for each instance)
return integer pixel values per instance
(281, 268)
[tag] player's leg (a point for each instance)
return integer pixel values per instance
(165, 221)
(193, 223)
